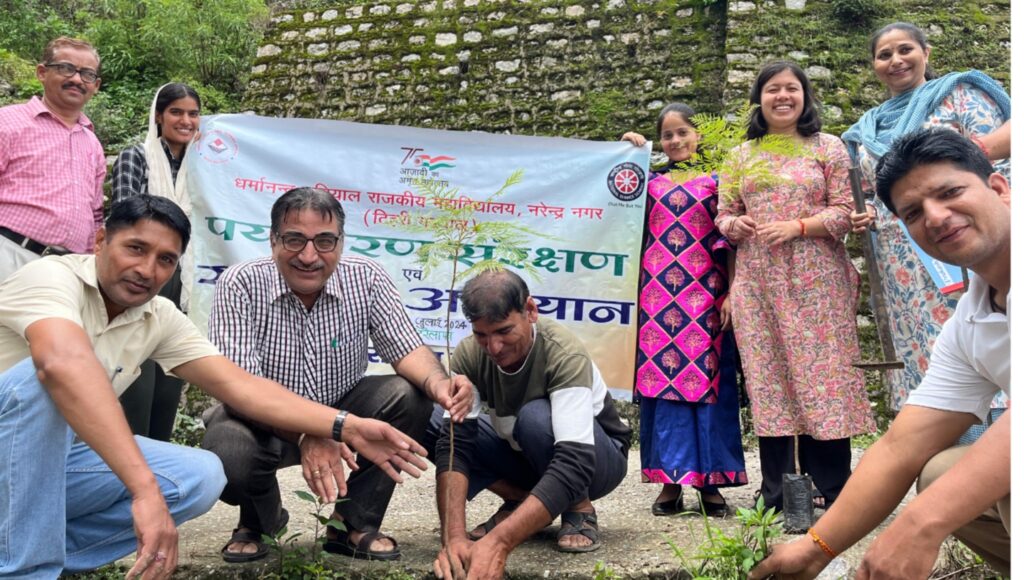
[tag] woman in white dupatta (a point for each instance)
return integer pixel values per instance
(156, 167)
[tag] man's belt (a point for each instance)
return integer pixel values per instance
(32, 245)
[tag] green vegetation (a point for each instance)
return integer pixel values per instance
(305, 563)
(725, 151)
(142, 44)
(730, 556)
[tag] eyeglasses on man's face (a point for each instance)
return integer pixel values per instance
(297, 242)
(68, 70)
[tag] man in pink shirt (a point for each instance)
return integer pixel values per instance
(51, 163)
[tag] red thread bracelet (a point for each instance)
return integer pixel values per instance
(803, 228)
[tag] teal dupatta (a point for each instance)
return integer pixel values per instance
(906, 112)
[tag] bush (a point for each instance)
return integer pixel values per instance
(143, 44)
(857, 12)
(17, 78)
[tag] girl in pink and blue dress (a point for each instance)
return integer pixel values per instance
(970, 103)
(686, 357)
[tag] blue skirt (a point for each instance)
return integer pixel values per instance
(695, 444)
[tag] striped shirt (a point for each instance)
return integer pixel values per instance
(51, 177)
(320, 354)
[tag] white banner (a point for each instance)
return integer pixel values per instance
(586, 197)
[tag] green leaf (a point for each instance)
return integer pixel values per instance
(305, 495)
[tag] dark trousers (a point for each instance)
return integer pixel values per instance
(151, 402)
(252, 455)
(827, 462)
(495, 459)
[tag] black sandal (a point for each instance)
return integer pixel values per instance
(583, 524)
(492, 522)
(361, 551)
(250, 537)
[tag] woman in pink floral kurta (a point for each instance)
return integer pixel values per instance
(795, 294)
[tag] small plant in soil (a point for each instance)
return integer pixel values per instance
(731, 555)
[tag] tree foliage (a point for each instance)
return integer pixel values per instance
(726, 151)
(143, 44)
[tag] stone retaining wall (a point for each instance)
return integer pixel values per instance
(584, 68)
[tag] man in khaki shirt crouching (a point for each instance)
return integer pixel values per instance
(78, 491)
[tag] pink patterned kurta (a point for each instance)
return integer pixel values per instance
(795, 304)
(683, 285)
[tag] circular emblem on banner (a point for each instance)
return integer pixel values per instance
(218, 147)
(626, 181)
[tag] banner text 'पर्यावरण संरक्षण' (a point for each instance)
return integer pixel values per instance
(585, 197)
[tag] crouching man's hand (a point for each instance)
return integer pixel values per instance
(157, 555)
(323, 466)
(385, 446)
(453, 559)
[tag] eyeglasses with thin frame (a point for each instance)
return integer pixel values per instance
(68, 70)
(322, 243)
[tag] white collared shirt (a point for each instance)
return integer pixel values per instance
(970, 362)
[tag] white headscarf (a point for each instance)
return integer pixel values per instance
(160, 183)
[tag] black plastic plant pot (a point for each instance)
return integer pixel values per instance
(797, 503)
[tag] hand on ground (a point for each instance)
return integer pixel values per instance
(800, 559)
(458, 549)
(157, 554)
(894, 554)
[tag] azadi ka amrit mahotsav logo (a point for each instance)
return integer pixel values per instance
(434, 163)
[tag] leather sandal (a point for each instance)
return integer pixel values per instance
(250, 537)
(361, 551)
(583, 524)
(485, 528)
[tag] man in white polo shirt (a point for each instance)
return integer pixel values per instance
(958, 210)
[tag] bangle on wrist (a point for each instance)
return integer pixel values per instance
(821, 544)
(803, 228)
(302, 437)
(339, 423)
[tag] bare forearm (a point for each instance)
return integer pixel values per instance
(998, 142)
(955, 498)
(421, 368)
(873, 491)
(452, 489)
(887, 471)
(97, 418)
(270, 403)
(259, 399)
(81, 389)
(530, 517)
